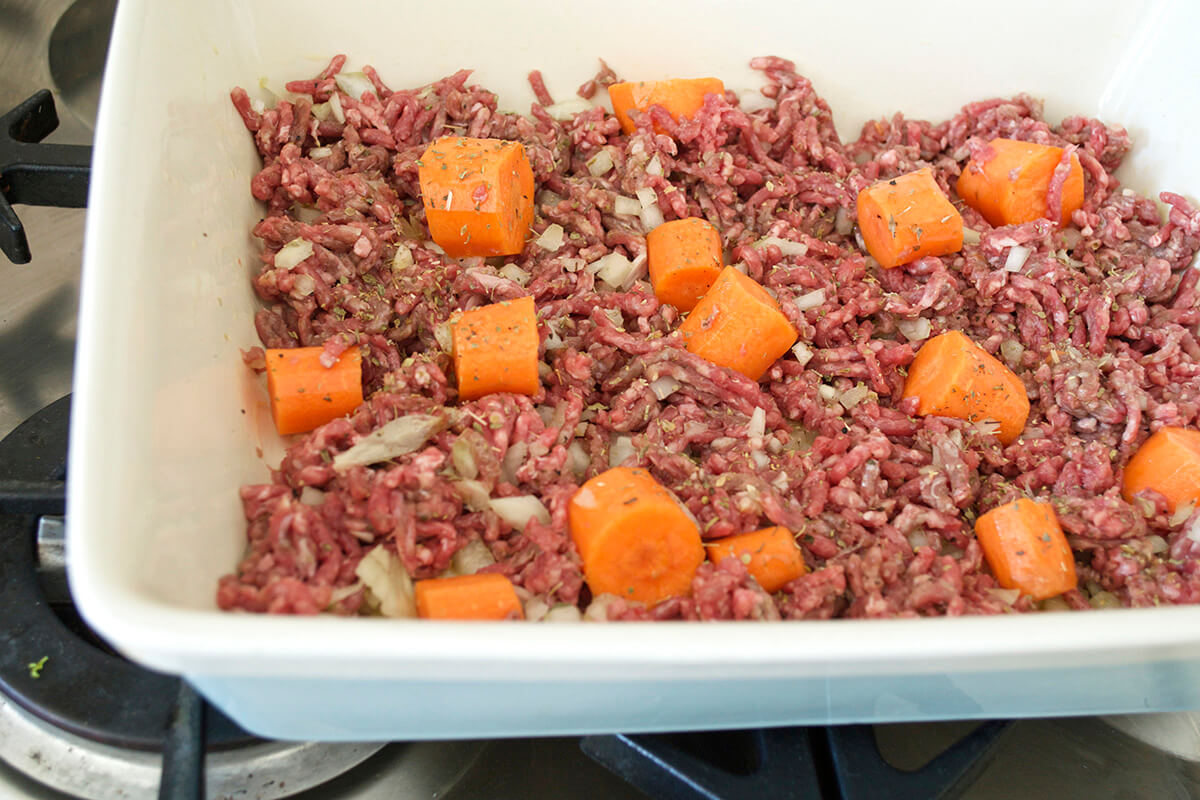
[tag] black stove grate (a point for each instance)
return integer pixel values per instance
(830, 763)
(80, 687)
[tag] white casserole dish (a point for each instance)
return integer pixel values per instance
(160, 441)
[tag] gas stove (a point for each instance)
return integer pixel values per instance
(78, 720)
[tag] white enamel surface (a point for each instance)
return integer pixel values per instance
(167, 419)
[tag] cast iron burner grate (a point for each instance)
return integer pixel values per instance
(831, 763)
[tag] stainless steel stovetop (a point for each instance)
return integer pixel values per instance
(57, 44)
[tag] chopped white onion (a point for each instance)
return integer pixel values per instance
(654, 167)
(462, 456)
(335, 105)
(915, 330)
(809, 300)
(620, 450)
(553, 340)
(311, 497)
(320, 152)
(1017, 255)
(614, 269)
(615, 317)
(786, 246)
(551, 238)
(1193, 529)
(750, 100)
(472, 557)
(652, 215)
(400, 436)
(566, 109)
(1182, 512)
(827, 393)
(1012, 350)
(577, 458)
(474, 494)
(338, 595)
(514, 274)
(307, 214)
(388, 582)
(758, 423)
(842, 222)
(403, 259)
(293, 253)
(536, 609)
(597, 611)
(971, 236)
(514, 457)
(354, 84)
(258, 105)
(444, 334)
(322, 111)
(1157, 544)
(1008, 596)
(517, 511)
(802, 352)
(563, 613)
(304, 285)
(626, 206)
(854, 395)
(600, 163)
(664, 387)
(918, 538)
(740, 267)
(760, 459)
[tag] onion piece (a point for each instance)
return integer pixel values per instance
(388, 582)
(758, 423)
(307, 214)
(854, 395)
(474, 494)
(444, 334)
(1182, 512)
(812, 299)
(517, 511)
(620, 450)
(322, 111)
(1008, 596)
(293, 253)
(615, 317)
(471, 557)
(354, 84)
(760, 459)
(1193, 529)
(320, 152)
(915, 330)
(842, 222)
(614, 269)
(626, 206)
(1017, 256)
(563, 613)
(577, 458)
(802, 352)
(462, 456)
(514, 457)
(971, 236)
(514, 274)
(654, 166)
(311, 496)
(335, 105)
(400, 436)
(786, 246)
(536, 609)
(566, 109)
(597, 611)
(1158, 544)
(664, 387)
(1012, 350)
(600, 163)
(652, 215)
(304, 285)
(551, 238)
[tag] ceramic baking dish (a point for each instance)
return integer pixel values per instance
(160, 441)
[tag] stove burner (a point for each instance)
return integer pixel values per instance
(36, 174)
(834, 763)
(79, 687)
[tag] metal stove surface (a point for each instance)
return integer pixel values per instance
(1065, 758)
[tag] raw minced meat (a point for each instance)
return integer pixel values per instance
(1099, 322)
